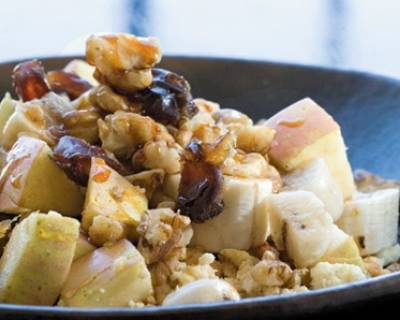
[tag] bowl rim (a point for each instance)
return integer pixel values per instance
(325, 298)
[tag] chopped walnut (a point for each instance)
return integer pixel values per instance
(123, 61)
(237, 257)
(255, 138)
(162, 230)
(300, 278)
(271, 273)
(105, 229)
(159, 155)
(255, 277)
(162, 270)
(179, 267)
(192, 272)
(252, 165)
(265, 252)
(109, 101)
(189, 126)
(123, 132)
(209, 134)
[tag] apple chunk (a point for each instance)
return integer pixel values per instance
(37, 259)
(112, 276)
(31, 181)
(305, 131)
(109, 194)
(83, 247)
(7, 108)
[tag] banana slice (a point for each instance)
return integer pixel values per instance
(243, 223)
(316, 177)
(372, 219)
(202, 291)
(301, 226)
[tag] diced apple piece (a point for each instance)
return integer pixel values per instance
(7, 108)
(372, 219)
(3, 158)
(37, 259)
(316, 177)
(301, 226)
(32, 181)
(26, 119)
(305, 131)
(83, 247)
(34, 118)
(112, 276)
(109, 194)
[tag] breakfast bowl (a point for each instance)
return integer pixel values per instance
(367, 108)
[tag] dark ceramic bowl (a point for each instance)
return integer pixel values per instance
(368, 109)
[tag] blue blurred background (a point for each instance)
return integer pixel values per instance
(351, 34)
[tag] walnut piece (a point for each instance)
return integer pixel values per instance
(124, 132)
(162, 230)
(122, 60)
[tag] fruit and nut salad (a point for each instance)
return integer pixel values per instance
(120, 189)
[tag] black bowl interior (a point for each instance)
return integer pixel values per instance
(368, 110)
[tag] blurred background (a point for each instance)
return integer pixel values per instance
(349, 34)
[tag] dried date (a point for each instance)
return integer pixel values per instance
(65, 82)
(199, 195)
(74, 155)
(30, 80)
(168, 99)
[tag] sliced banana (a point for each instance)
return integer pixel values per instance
(317, 178)
(202, 291)
(301, 226)
(243, 223)
(372, 219)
